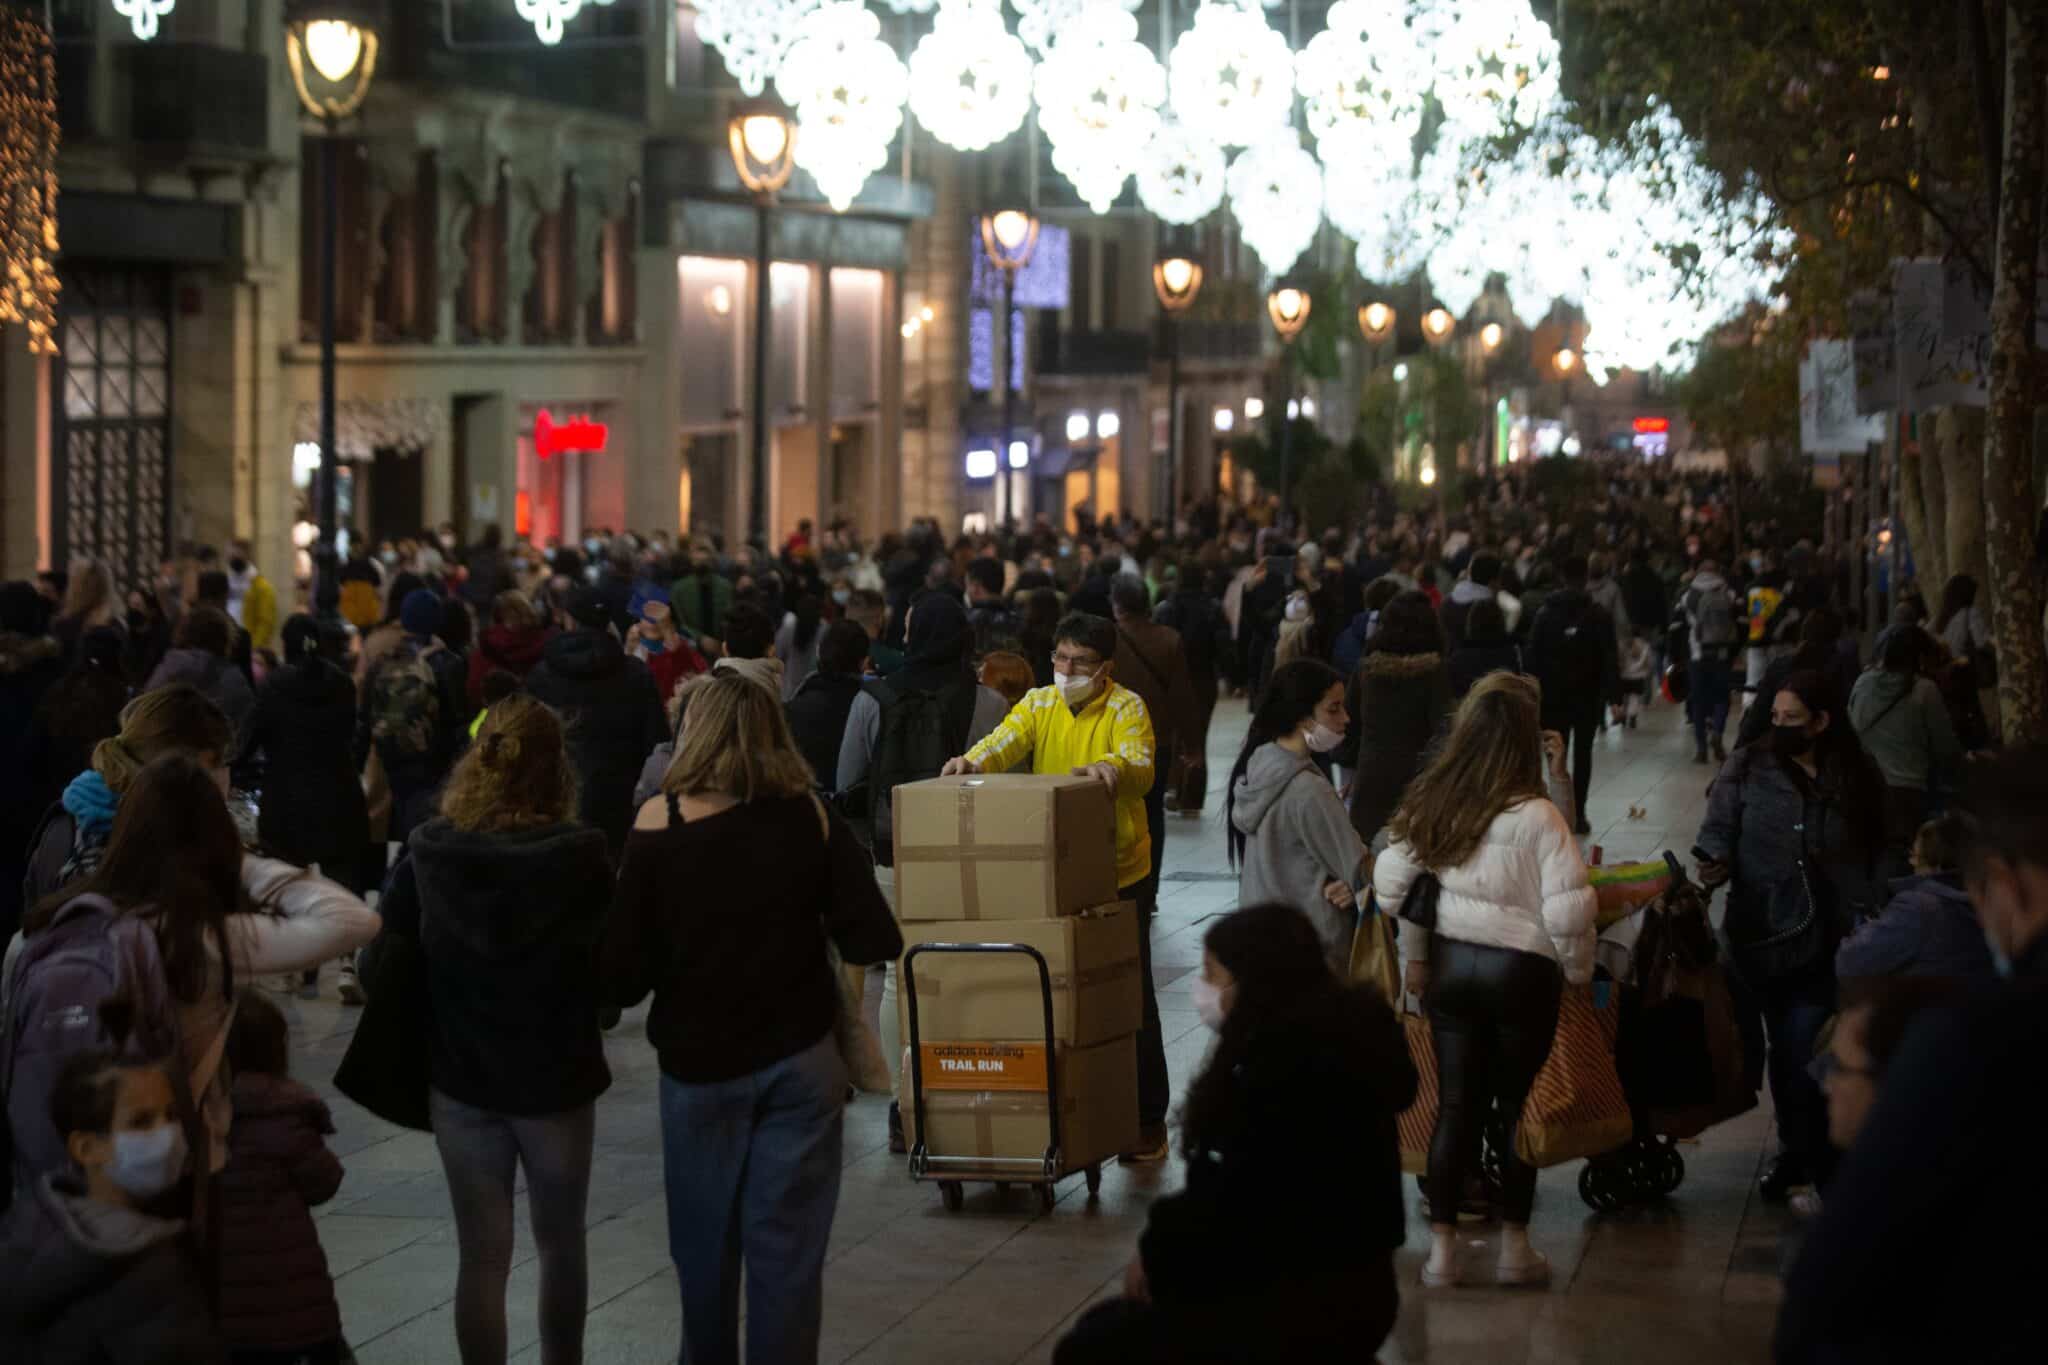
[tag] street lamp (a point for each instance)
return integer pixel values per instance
(1177, 280)
(1376, 321)
(1437, 325)
(1009, 234)
(331, 48)
(762, 138)
(1288, 306)
(1566, 361)
(1490, 337)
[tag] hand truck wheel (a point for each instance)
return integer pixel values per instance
(951, 1195)
(1046, 1197)
(1094, 1178)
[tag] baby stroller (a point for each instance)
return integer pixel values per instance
(1683, 1049)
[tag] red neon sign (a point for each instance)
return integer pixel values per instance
(1647, 425)
(578, 433)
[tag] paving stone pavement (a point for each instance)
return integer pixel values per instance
(1694, 1280)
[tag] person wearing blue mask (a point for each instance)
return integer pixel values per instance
(1910, 1260)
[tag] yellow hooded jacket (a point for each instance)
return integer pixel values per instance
(1112, 728)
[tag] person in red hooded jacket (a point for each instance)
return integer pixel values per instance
(513, 641)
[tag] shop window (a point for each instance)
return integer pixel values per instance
(789, 340)
(711, 299)
(856, 341)
(352, 238)
(406, 291)
(480, 315)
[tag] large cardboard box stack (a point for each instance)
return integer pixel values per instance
(1031, 860)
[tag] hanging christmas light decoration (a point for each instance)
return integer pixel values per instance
(144, 16)
(970, 80)
(1233, 77)
(1041, 22)
(847, 87)
(1363, 164)
(549, 16)
(751, 36)
(1496, 68)
(1180, 175)
(1099, 94)
(1365, 68)
(911, 6)
(1276, 195)
(28, 179)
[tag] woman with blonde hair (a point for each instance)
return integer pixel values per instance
(1511, 922)
(735, 879)
(90, 601)
(502, 893)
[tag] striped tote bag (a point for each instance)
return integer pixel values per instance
(1577, 1107)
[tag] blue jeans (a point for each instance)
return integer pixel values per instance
(1712, 680)
(1795, 1009)
(752, 1168)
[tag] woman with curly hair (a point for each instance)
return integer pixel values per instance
(505, 895)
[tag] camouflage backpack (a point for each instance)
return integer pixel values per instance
(405, 705)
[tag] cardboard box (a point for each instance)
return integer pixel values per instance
(1003, 846)
(1092, 958)
(1098, 1101)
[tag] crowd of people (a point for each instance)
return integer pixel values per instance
(570, 778)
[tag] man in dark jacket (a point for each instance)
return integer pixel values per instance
(610, 707)
(817, 713)
(994, 625)
(1204, 639)
(1572, 653)
(1150, 662)
(1904, 1263)
(30, 661)
(488, 575)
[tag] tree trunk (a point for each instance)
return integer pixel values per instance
(1962, 467)
(1913, 511)
(1935, 569)
(2008, 451)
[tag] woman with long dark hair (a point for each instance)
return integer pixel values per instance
(1302, 1063)
(1399, 701)
(1290, 836)
(1796, 828)
(220, 917)
(1513, 924)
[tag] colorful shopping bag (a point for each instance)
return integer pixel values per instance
(1375, 960)
(1624, 888)
(1417, 1123)
(1577, 1107)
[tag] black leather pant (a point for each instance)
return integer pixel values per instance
(1492, 1015)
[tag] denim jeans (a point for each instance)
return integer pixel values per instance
(1712, 680)
(752, 1168)
(1795, 1009)
(1155, 1090)
(480, 1154)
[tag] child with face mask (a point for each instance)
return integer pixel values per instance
(95, 1272)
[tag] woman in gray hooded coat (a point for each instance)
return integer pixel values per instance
(1290, 836)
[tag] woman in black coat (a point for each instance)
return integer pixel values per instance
(1400, 702)
(303, 727)
(1245, 1264)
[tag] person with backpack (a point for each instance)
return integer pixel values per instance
(94, 1274)
(611, 706)
(1573, 655)
(903, 729)
(1090, 725)
(173, 918)
(817, 714)
(414, 712)
(1714, 626)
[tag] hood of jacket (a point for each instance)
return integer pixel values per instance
(1401, 666)
(584, 654)
(312, 683)
(1265, 778)
(498, 893)
(517, 648)
(61, 1247)
(19, 653)
(1706, 580)
(1466, 592)
(1942, 889)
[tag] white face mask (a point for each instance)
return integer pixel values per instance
(1208, 1002)
(1075, 691)
(1320, 738)
(147, 1163)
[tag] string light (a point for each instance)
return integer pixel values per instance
(970, 80)
(548, 16)
(1098, 101)
(847, 87)
(1180, 175)
(1233, 76)
(1276, 192)
(143, 16)
(751, 36)
(28, 180)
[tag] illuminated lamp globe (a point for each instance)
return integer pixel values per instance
(1566, 360)
(1177, 280)
(331, 49)
(1288, 307)
(762, 138)
(1490, 336)
(1438, 324)
(1009, 236)
(1376, 321)
(1427, 475)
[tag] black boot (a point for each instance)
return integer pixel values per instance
(896, 1143)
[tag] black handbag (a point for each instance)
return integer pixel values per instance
(386, 1069)
(1418, 907)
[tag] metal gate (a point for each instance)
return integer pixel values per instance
(113, 428)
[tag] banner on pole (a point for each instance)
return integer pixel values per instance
(1828, 420)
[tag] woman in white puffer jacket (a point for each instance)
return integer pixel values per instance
(1514, 923)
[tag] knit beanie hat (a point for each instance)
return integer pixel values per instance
(420, 613)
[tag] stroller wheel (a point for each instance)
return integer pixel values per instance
(1601, 1185)
(1671, 1169)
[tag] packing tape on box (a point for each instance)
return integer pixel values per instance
(985, 1107)
(967, 854)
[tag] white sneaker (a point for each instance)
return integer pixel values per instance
(1533, 1273)
(1447, 1279)
(351, 988)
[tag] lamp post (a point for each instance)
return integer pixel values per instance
(1288, 307)
(1490, 338)
(1177, 279)
(762, 138)
(1565, 362)
(1009, 234)
(331, 48)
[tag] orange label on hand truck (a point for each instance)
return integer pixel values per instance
(983, 1066)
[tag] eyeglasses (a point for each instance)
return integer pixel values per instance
(1068, 663)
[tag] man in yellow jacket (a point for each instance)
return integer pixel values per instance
(1087, 725)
